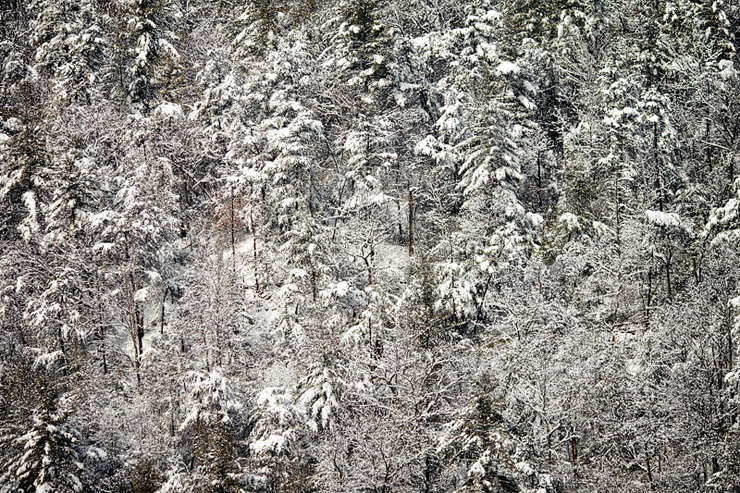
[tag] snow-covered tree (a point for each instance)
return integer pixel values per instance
(208, 431)
(155, 62)
(47, 460)
(362, 47)
(69, 46)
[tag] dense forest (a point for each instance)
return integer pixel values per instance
(372, 246)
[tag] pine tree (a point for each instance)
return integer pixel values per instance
(362, 48)
(40, 447)
(277, 440)
(49, 461)
(260, 23)
(23, 167)
(209, 430)
(69, 46)
(154, 69)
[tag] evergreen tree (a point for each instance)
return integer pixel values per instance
(155, 62)
(48, 461)
(69, 46)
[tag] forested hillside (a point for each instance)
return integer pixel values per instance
(369, 246)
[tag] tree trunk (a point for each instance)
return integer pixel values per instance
(411, 222)
(668, 274)
(136, 321)
(161, 313)
(574, 450)
(233, 246)
(539, 178)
